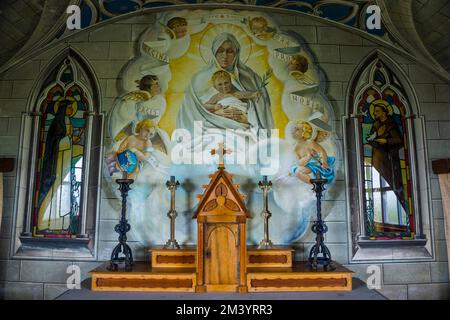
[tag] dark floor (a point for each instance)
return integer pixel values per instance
(359, 292)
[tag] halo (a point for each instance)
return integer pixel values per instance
(169, 31)
(383, 103)
(208, 38)
(74, 105)
(301, 122)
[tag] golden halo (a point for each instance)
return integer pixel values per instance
(383, 103)
(169, 31)
(208, 37)
(74, 105)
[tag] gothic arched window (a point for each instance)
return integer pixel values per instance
(382, 129)
(59, 158)
(385, 156)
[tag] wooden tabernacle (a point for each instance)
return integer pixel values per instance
(221, 236)
(221, 261)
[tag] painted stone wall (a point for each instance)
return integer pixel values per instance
(231, 77)
(336, 52)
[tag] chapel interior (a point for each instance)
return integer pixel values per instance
(299, 149)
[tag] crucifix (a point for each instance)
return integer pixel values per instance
(221, 151)
(265, 186)
(172, 185)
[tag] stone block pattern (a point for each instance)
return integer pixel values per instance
(338, 52)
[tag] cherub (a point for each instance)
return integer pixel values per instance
(227, 102)
(298, 67)
(311, 156)
(136, 149)
(260, 28)
(177, 27)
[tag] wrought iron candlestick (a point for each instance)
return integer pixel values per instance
(319, 228)
(265, 186)
(172, 214)
(122, 228)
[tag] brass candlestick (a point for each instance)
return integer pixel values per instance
(265, 185)
(172, 214)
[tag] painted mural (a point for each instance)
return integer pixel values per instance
(209, 76)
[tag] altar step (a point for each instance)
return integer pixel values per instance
(268, 270)
(299, 277)
(186, 257)
(143, 277)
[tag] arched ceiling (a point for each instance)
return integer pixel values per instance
(18, 19)
(28, 24)
(432, 21)
(418, 27)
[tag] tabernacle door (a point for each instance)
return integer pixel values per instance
(222, 257)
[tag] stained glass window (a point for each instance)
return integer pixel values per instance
(385, 156)
(60, 156)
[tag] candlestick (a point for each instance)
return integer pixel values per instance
(265, 185)
(319, 228)
(122, 228)
(172, 185)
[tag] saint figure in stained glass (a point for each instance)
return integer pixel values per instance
(386, 141)
(385, 156)
(61, 149)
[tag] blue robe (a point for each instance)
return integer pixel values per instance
(315, 167)
(128, 161)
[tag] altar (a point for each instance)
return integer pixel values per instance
(221, 261)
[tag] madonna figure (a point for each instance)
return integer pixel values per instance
(226, 57)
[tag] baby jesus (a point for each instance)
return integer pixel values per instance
(312, 157)
(227, 101)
